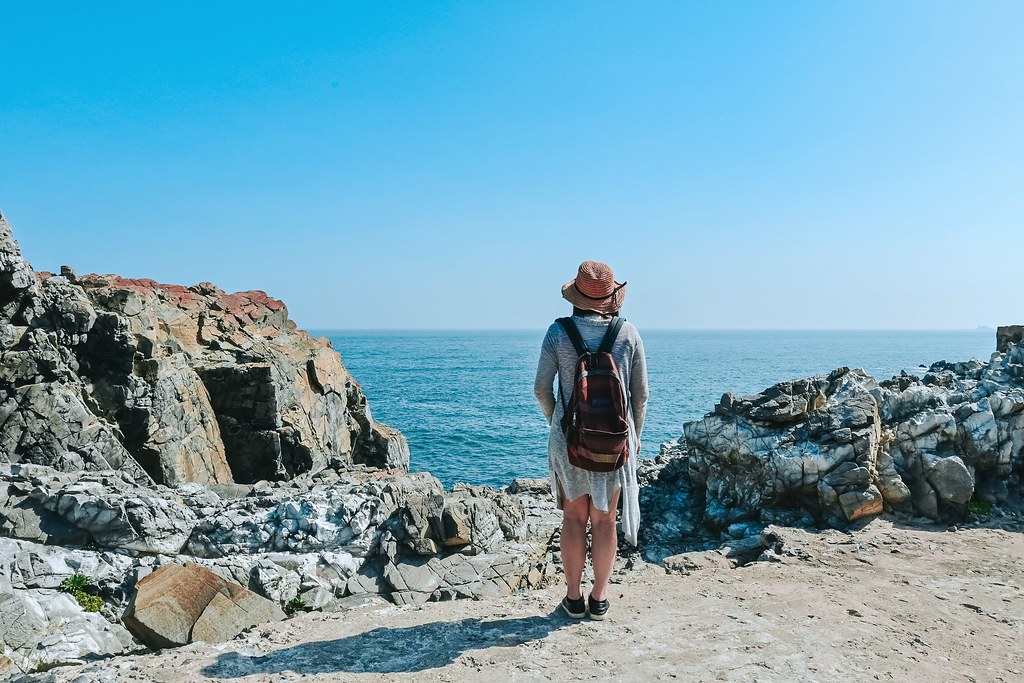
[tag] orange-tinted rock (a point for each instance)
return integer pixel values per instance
(174, 383)
(179, 604)
(284, 402)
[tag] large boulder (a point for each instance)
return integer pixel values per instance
(179, 604)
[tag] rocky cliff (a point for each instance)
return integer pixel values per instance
(171, 384)
(180, 463)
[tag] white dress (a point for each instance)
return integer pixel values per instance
(558, 359)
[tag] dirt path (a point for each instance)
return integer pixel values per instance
(881, 604)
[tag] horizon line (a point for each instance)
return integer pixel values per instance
(660, 329)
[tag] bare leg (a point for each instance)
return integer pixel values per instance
(605, 544)
(574, 543)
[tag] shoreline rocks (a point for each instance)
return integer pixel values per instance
(844, 446)
(172, 384)
(807, 443)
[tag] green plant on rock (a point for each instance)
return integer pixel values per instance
(296, 604)
(90, 603)
(979, 507)
(76, 585)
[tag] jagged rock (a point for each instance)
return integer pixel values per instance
(182, 438)
(844, 446)
(473, 519)
(890, 484)
(25, 565)
(455, 576)
(284, 402)
(178, 604)
(343, 518)
(778, 448)
(274, 581)
(482, 576)
(390, 451)
(16, 276)
(409, 577)
(171, 384)
(369, 579)
(48, 423)
(672, 515)
(100, 507)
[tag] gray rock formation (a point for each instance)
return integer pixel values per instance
(45, 412)
(171, 384)
(807, 443)
(843, 446)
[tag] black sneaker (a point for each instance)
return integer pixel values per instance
(598, 608)
(577, 609)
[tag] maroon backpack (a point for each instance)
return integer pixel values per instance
(595, 424)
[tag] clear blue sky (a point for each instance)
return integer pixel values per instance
(448, 165)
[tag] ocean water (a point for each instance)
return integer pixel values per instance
(465, 399)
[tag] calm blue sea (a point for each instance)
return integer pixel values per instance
(465, 399)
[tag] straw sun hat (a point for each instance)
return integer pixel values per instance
(595, 289)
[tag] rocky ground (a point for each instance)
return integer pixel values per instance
(883, 602)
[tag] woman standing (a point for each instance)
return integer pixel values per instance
(583, 495)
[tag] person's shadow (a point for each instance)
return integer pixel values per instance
(391, 650)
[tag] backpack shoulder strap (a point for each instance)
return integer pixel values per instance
(609, 337)
(574, 335)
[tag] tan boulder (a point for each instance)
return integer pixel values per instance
(180, 604)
